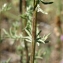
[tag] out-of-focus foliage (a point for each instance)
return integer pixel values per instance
(49, 11)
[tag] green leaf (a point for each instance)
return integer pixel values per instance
(46, 41)
(38, 57)
(41, 41)
(6, 7)
(46, 36)
(46, 2)
(37, 3)
(28, 39)
(24, 16)
(6, 32)
(11, 34)
(39, 32)
(40, 10)
(28, 32)
(38, 38)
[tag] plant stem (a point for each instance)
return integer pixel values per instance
(21, 57)
(0, 44)
(34, 25)
(24, 22)
(20, 10)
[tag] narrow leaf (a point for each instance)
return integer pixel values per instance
(28, 32)
(39, 32)
(46, 2)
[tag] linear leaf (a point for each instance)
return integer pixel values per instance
(46, 2)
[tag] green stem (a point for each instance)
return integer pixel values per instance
(34, 24)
